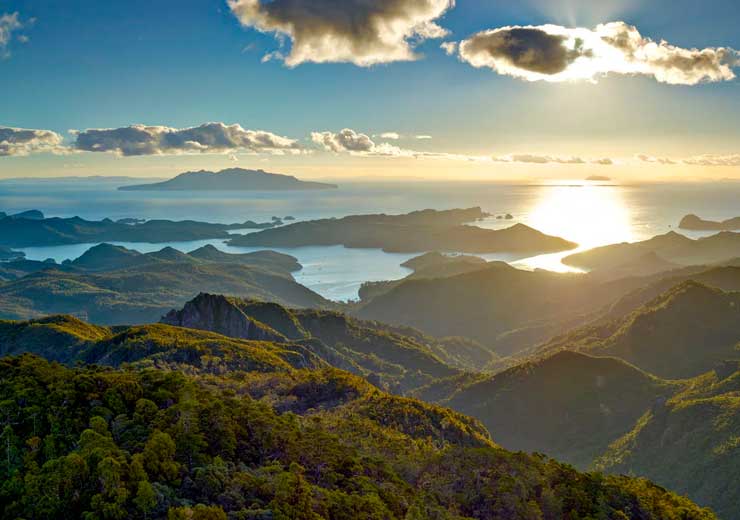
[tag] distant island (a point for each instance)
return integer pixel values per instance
(416, 232)
(232, 179)
(33, 229)
(694, 223)
(598, 178)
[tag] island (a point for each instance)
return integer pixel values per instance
(598, 178)
(415, 232)
(695, 223)
(34, 232)
(231, 179)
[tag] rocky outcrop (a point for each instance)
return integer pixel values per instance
(220, 314)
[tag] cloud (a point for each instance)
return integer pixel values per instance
(655, 160)
(714, 160)
(162, 140)
(359, 144)
(361, 32)
(345, 141)
(549, 159)
(555, 53)
(450, 48)
(21, 141)
(731, 160)
(395, 136)
(423, 137)
(603, 162)
(9, 23)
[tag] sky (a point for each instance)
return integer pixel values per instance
(468, 89)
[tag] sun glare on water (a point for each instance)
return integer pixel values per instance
(591, 215)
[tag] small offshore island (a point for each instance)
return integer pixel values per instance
(232, 179)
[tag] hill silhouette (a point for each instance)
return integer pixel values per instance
(231, 179)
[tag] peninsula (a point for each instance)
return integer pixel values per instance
(419, 231)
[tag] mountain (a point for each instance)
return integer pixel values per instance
(682, 333)
(570, 406)
(232, 179)
(671, 247)
(428, 265)
(488, 303)
(689, 443)
(419, 231)
(113, 285)
(692, 222)
(642, 266)
(305, 444)
(386, 356)
(643, 290)
(68, 340)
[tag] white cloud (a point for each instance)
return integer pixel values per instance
(450, 48)
(345, 141)
(9, 23)
(359, 144)
(550, 159)
(731, 160)
(362, 32)
(21, 141)
(423, 137)
(555, 53)
(394, 136)
(655, 160)
(714, 160)
(162, 140)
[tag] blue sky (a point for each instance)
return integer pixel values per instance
(93, 64)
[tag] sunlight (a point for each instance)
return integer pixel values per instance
(589, 214)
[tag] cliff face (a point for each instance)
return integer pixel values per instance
(218, 314)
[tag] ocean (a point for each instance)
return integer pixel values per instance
(588, 213)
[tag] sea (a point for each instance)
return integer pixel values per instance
(591, 214)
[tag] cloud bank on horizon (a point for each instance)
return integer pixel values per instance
(223, 139)
(555, 53)
(353, 31)
(162, 140)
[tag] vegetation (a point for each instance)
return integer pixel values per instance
(690, 443)
(114, 444)
(397, 360)
(682, 333)
(570, 406)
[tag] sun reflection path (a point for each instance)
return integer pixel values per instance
(591, 215)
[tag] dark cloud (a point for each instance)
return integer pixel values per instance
(362, 32)
(162, 140)
(525, 48)
(557, 53)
